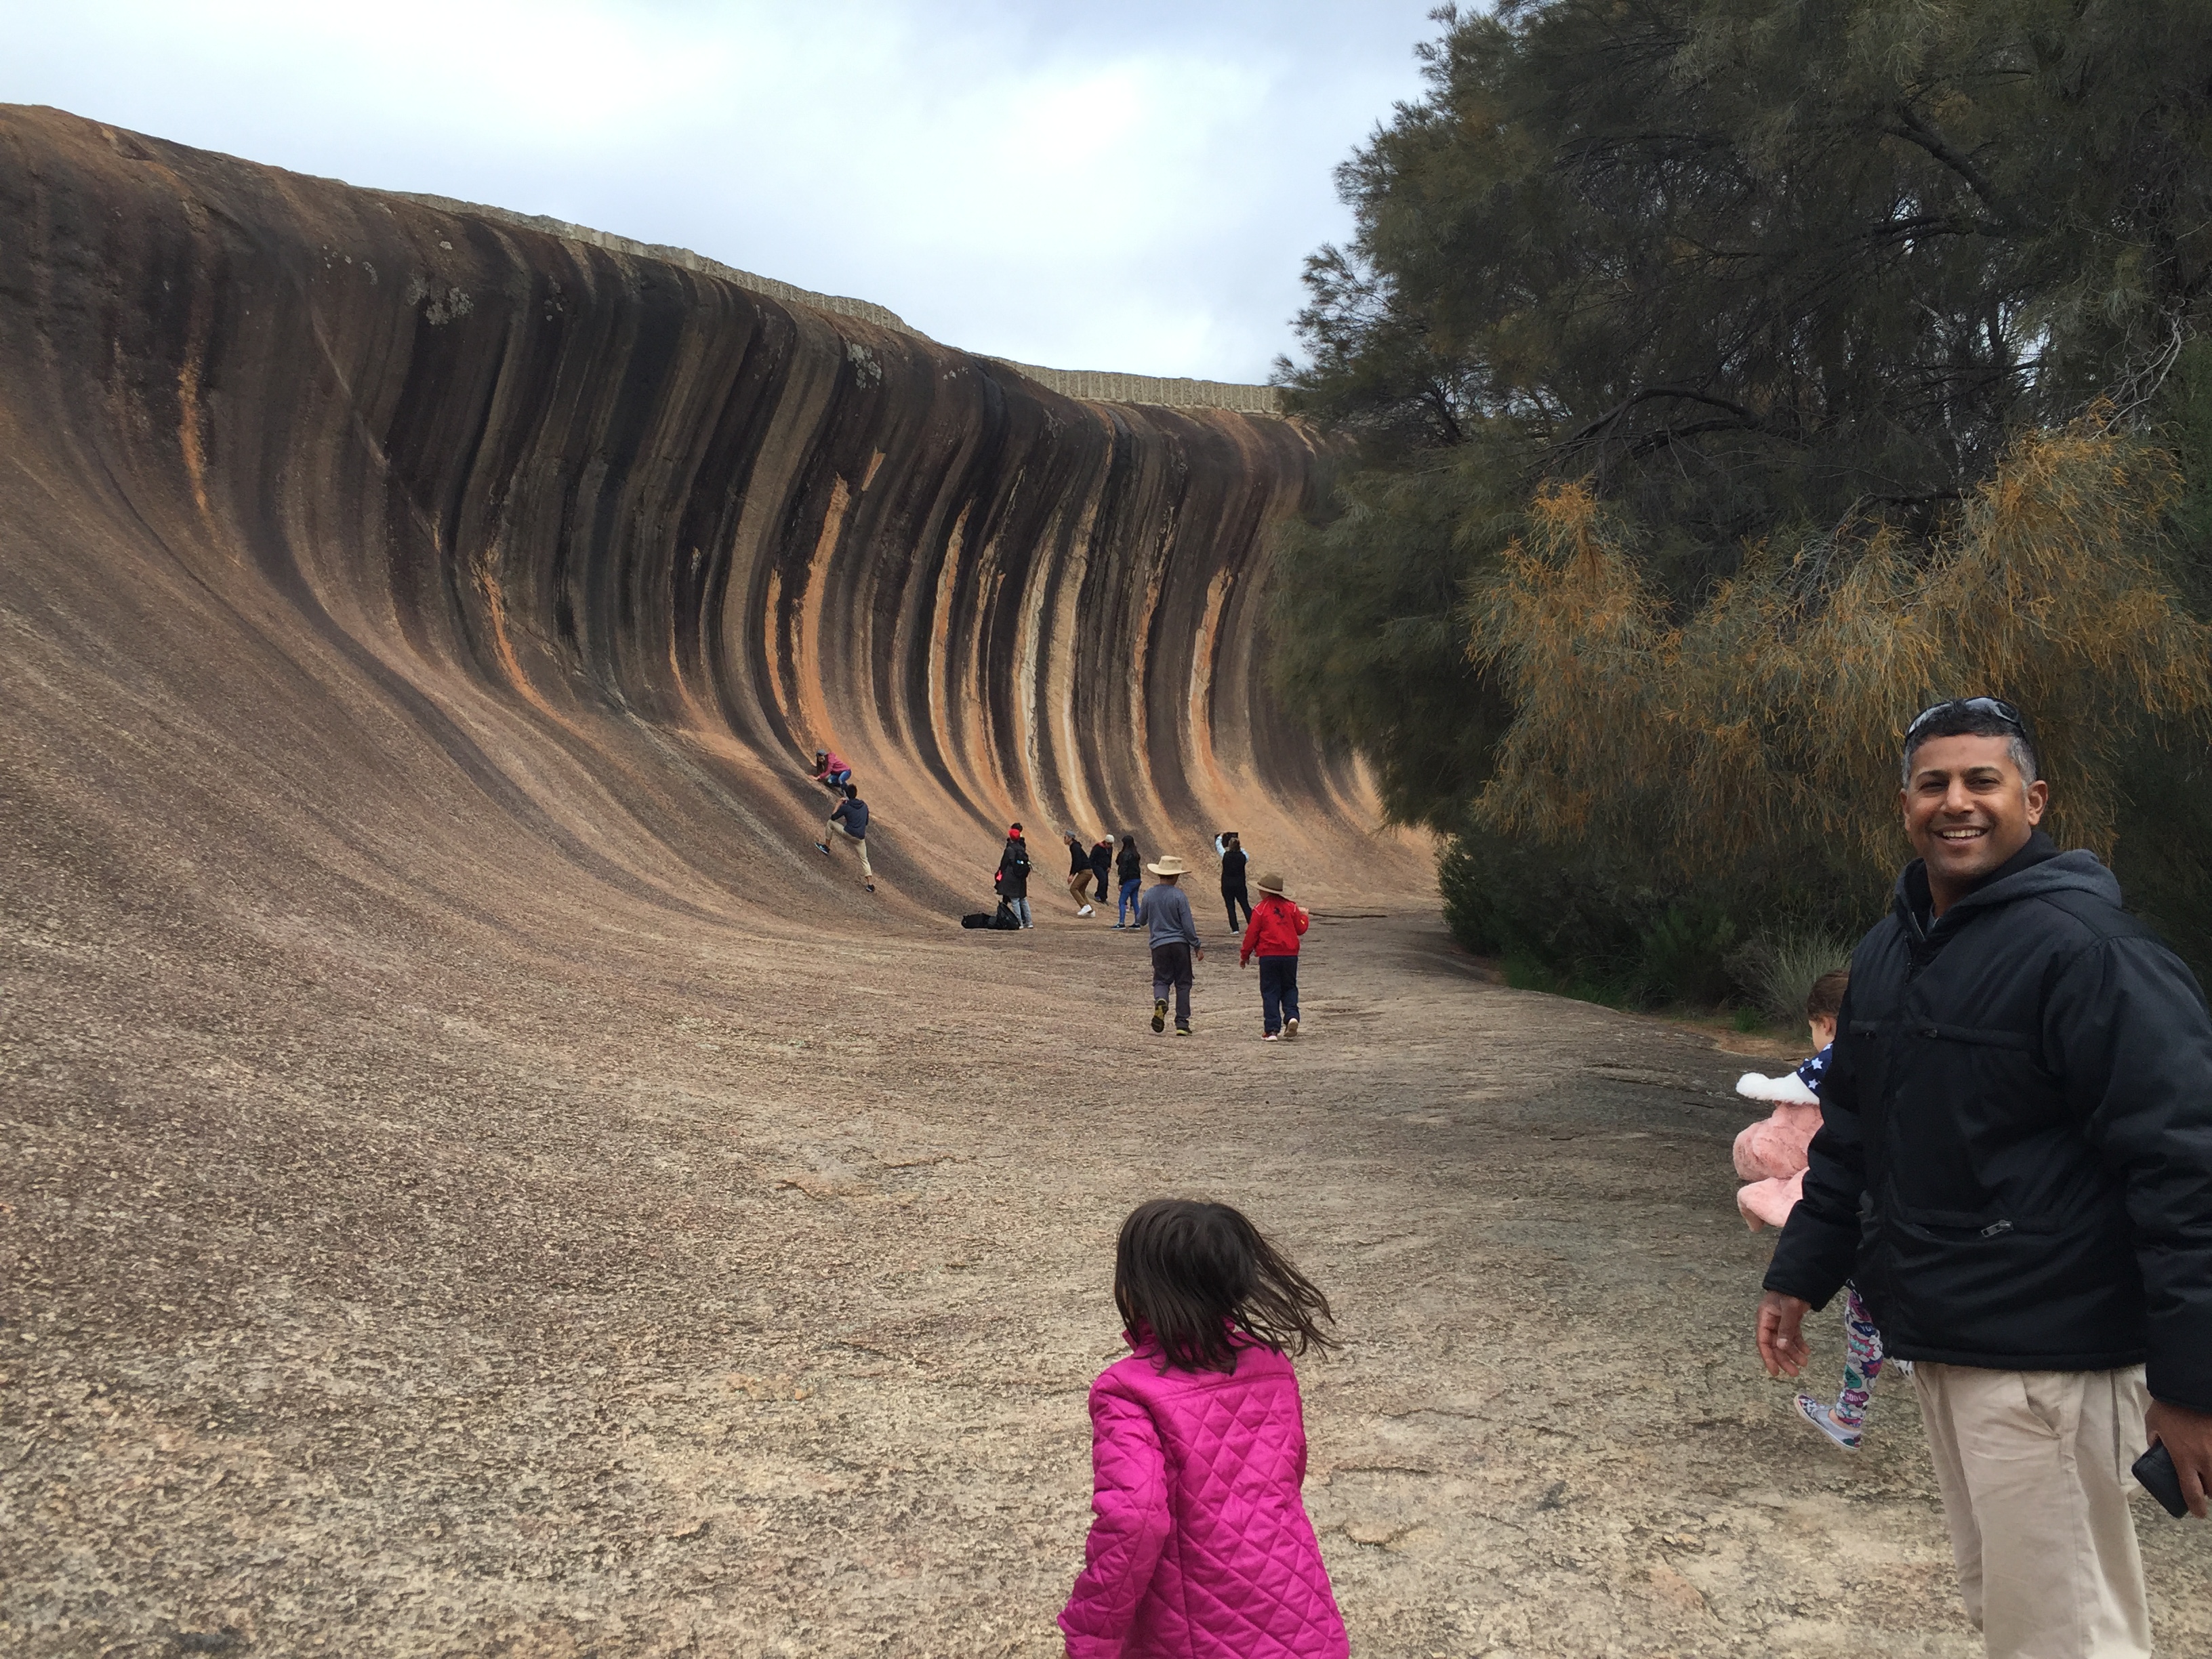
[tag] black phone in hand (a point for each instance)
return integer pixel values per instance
(2155, 1468)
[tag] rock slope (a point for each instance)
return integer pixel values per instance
(336, 506)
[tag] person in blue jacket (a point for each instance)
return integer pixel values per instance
(850, 823)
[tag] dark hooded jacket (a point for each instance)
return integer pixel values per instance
(1013, 877)
(2015, 1156)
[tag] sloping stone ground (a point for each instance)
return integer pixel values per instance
(681, 1292)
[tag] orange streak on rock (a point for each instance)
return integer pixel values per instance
(533, 564)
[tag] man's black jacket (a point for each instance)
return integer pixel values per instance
(1232, 871)
(2015, 1161)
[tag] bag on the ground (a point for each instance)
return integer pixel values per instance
(981, 919)
(1007, 918)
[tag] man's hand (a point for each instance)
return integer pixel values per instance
(2187, 1436)
(1199, 955)
(1781, 1333)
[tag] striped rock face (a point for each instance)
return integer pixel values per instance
(353, 533)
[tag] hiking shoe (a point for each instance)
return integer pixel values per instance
(824, 847)
(1821, 1416)
(1182, 1030)
(1290, 1026)
(1160, 1015)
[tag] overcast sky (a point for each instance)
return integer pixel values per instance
(1129, 186)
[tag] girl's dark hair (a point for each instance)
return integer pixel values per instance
(1189, 1276)
(1825, 1000)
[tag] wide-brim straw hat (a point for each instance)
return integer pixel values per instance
(1170, 865)
(1272, 884)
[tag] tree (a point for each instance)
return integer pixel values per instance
(1770, 291)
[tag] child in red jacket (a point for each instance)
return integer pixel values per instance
(1271, 935)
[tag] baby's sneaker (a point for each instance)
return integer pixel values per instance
(1821, 1416)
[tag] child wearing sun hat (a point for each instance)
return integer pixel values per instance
(1273, 936)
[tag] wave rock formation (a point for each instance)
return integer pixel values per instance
(347, 538)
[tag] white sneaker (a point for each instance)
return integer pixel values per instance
(1085, 911)
(1290, 1026)
(1821, 1416)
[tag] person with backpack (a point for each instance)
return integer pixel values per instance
(850, 823)
(1200, 1547)
(1273, 936)
(1129, 867)
(1012, 878)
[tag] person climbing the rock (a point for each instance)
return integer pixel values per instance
(1273, 936)
(1102, 867)
(1771, 1154)
(1012, 878)
(1233, 891)
(1166, 910)
(1199, 1540)
(850, 822)
(1129, 866)
(829, 769)
(1078, 872)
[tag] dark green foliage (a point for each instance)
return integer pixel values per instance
(1574, 925)
(1371, 634)
(1774, 286)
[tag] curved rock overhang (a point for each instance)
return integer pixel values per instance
(333, 516)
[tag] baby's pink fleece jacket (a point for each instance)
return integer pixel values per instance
(1200, 1545)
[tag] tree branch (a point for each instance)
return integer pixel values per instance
(1915, 130)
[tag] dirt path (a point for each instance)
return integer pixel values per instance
(672, 1291)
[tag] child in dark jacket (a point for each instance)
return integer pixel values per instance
(1271, 935)
(1200, 1545)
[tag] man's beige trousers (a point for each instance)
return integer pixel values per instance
(2033, 1468)
(835, 830)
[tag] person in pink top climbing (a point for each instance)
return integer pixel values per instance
(1200, 1545)
(1772, 1155)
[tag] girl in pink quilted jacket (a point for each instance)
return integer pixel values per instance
(1200, 1545)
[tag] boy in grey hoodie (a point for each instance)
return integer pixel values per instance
(1165, 911)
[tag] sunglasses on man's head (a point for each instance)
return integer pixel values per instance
(1997, 706)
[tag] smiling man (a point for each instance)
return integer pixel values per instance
(2015, 1167)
